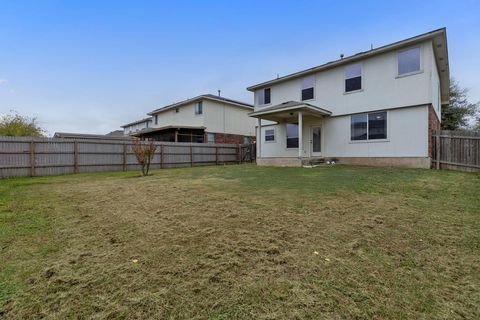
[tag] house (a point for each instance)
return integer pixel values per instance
(205, 118)
(377, 107)
(135, 126)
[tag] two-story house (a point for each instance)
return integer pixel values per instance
(205, 118)
(377, 107)
(135, 126)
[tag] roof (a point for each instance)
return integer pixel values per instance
(136, 122)
(291, 106)
(439, 38)
(202, 97)
(70, 135)
(115, 133)
(148, 130)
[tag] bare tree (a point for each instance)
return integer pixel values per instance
(144, 151)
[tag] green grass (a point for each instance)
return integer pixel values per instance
(242, 242)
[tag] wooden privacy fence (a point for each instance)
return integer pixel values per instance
(25, 156)
(456, 150)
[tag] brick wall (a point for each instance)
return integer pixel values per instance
(433, 124)
(231, 138)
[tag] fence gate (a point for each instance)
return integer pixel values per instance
(456, 150)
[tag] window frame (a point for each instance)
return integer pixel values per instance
(262, 91)
(199, 108)
(345, 78)
(312, 87)
(286, 136)
(274, 135)
(411, 73)
(210, 134)
(387, 131)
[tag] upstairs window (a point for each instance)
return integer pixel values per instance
(353, 77)
(369, 126)
(199, 108)
(308, 85)
(292, 135)
(177, 110)
(269, 135)
(409, 61)
(263, 96)
(156, 119)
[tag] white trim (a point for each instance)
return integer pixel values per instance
(274, 135)
(312, 153)
(345, 78)
(314, 88)
(369, 140)
(420, 70)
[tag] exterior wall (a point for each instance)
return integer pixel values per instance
(216, 117)
(136, 127)
(225, 118)
(435, 90)
(381, 86)
(407, 136)
(185, 117)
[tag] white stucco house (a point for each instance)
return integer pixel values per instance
(205, 118)
(376, 107)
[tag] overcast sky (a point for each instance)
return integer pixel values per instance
(91, 66)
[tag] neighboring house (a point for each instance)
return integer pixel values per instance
(205, 118)
(377, 107)
(133, 127)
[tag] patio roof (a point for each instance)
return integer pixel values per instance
(150, 130)
(287, 110)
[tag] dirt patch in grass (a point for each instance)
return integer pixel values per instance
(242, 242)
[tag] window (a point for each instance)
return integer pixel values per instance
(269, 135)
(263, 96)
(369, 126)
(199, 108)
(177, 110)
(292, 135)
(308, 85)
(156, 119)
(211, 137)
(146, 123)
(353, 77)
(409, 61)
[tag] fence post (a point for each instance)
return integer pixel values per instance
(216, 155)
(124, 156)
(437, 149)
(75, 156)
(32, 158)
(191, 156)
(161, 156)
(239, 153)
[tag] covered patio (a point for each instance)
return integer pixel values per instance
(293, 113)
(174, 134)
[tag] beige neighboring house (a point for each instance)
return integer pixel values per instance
(377, 107)
(205, 118)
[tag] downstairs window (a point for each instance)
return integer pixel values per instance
(368, 126)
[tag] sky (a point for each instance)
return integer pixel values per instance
(91, 66)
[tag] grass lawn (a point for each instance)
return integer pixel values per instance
(242, 242)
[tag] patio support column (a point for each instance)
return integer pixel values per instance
(259, 138)
(300, 134)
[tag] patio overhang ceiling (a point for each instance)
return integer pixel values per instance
(160, 129)
(289, 110)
